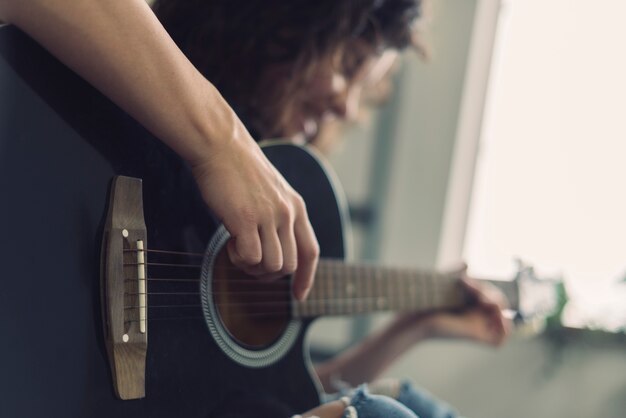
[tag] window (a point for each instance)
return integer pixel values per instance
(551, 176)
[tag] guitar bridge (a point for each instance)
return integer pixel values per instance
(123, 288)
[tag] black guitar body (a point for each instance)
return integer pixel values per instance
(61, 142)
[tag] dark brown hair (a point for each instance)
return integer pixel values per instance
(233, 41)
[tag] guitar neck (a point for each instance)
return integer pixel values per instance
(348, 289)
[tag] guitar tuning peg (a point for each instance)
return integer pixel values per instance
(537, 296)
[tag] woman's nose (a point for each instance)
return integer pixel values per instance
(345, 99)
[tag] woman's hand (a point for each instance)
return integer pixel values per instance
(267, 219)
(333, 409)
(482, 322)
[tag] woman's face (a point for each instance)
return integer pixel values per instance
(330, 90)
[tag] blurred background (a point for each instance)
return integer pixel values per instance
(506, 143)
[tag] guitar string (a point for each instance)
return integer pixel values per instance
(164, 264)
(149, 250)
(263, 292)
(325, 266)
(258, 281)
(243, 292)
(192, 254)
(264, 303)
(278, 314)
(327, 262)
(162, 279)
(273, 314)
(267, 315)
(276, 287)
(272, 286)
(181, 318)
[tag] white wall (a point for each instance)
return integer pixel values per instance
(420, 126)
(528, 377)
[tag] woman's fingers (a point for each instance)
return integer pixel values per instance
(484, 293)
(270, 229)
(272, 256)
(245, 248)
(308, 255)
(289, 249)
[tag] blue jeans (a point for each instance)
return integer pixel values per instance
(410, 403)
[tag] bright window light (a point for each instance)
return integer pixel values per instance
(551, 179)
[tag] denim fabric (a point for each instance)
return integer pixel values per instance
(377, 406)
(411, 403)
(423, 403)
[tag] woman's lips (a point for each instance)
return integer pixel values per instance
(309, 127)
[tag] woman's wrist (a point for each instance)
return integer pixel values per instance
(216, 128)
(414, 326)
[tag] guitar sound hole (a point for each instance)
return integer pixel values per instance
(254, 312)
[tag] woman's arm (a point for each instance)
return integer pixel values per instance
(121, 49)
(366, 361)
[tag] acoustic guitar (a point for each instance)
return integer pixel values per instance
(111, 302)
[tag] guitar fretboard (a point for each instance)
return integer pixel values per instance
(347, 289)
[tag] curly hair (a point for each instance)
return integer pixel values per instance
(232, 41)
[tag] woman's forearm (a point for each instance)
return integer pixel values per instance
(120, 47)
(483, 322)
(368, 359)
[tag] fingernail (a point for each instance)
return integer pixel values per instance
(304, 293)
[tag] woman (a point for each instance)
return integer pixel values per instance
(285, 67)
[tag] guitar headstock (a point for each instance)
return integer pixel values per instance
(537, 297)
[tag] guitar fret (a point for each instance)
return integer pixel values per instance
(401, 290)
(423, 296)
(378, 290)
(396, 289)
(390, 288)
(342, 304)
(409, 285)
(404, 303)
(328, 278)
(430, 293)
(357, 288)
(393, 288)
(411, 291)
(369, 290)
(334, 309)
(361, 286)
(434, 294)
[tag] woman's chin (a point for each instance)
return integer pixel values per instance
(301, 132)
(310, 128)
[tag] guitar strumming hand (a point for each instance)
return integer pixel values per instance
(162, 89)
